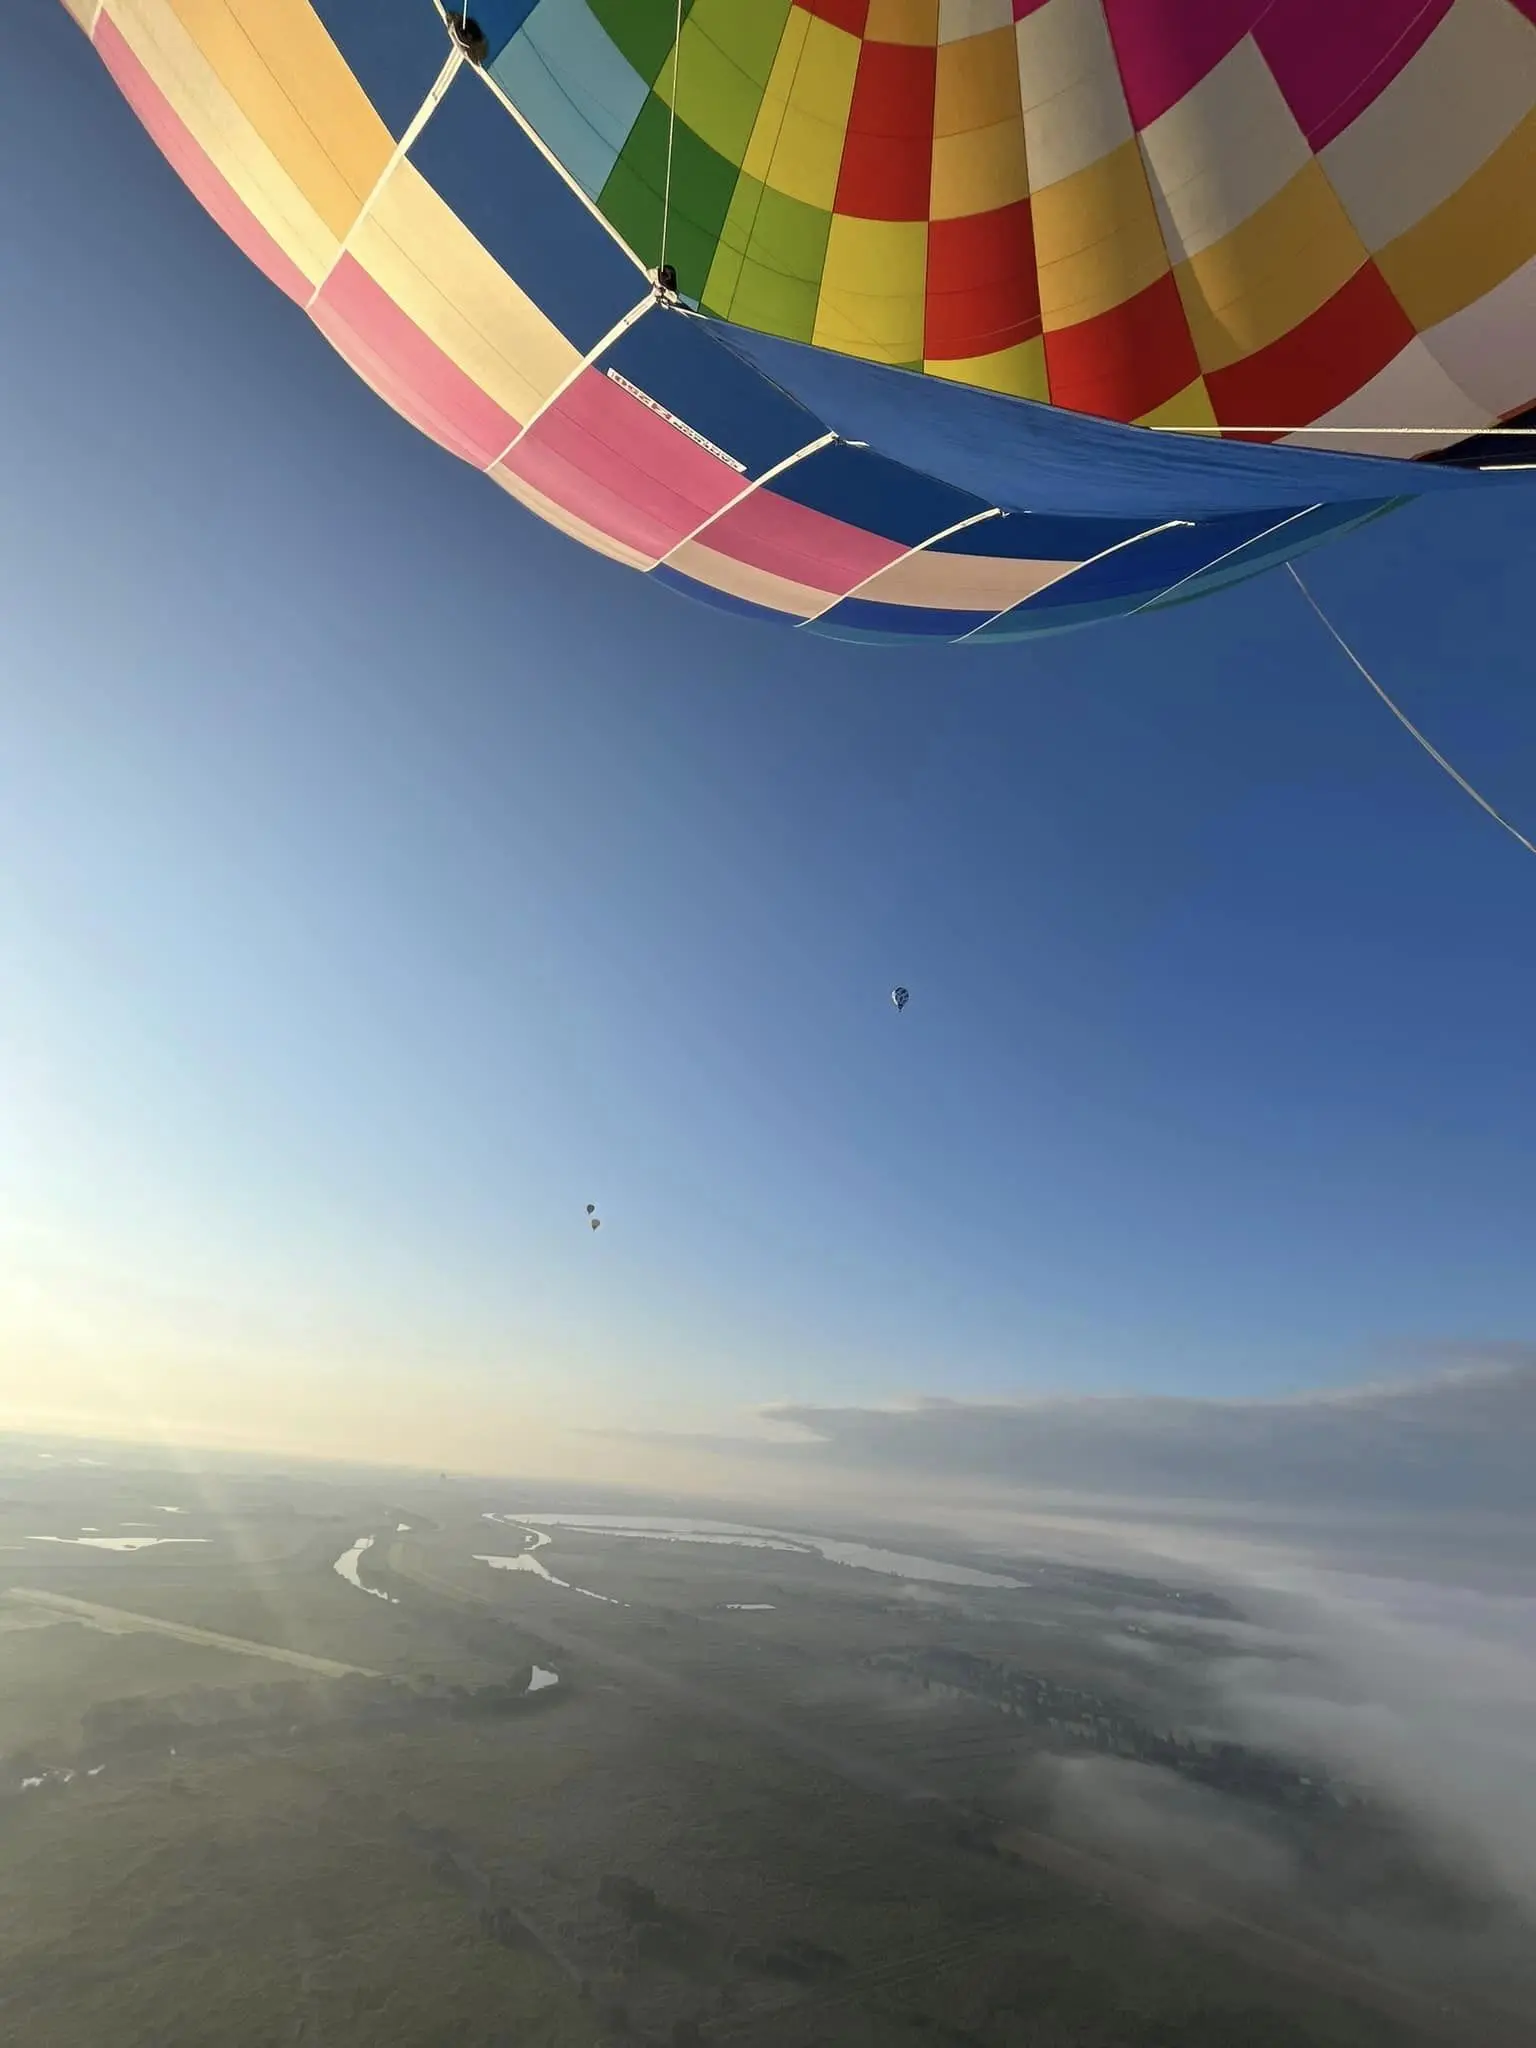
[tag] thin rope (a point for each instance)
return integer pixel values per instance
(1302, 427)
(1403, 719)
(666, 196)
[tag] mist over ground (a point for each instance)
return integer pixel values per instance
(1380, 1543)
(1166, 1741)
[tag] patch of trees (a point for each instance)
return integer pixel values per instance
(1090, 1720)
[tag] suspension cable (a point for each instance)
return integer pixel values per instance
(666, 196)
(1402, 717)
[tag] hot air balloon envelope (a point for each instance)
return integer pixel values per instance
(977, 320)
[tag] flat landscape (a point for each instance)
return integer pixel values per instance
(379, 1758)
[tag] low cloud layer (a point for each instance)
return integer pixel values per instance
(1381, 1543)
(1164, 1825)
(1427, 1693)
(1462, 1438)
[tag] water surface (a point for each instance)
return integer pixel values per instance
(867, 1557)
(346, 1564)
(525, 1561)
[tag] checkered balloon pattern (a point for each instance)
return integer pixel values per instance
(939, 266)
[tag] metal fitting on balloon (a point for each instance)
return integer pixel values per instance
(468, 37)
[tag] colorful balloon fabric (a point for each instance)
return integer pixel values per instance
(940, 266)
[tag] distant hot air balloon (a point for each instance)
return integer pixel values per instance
(596, 1222)
(591, 1208)
(893, 321)
(900, 998)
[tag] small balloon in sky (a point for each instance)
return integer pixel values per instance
(591, 1208)
(899, 997)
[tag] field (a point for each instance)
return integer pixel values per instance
(758, 1794)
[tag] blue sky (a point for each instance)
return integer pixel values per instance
(382, 878)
